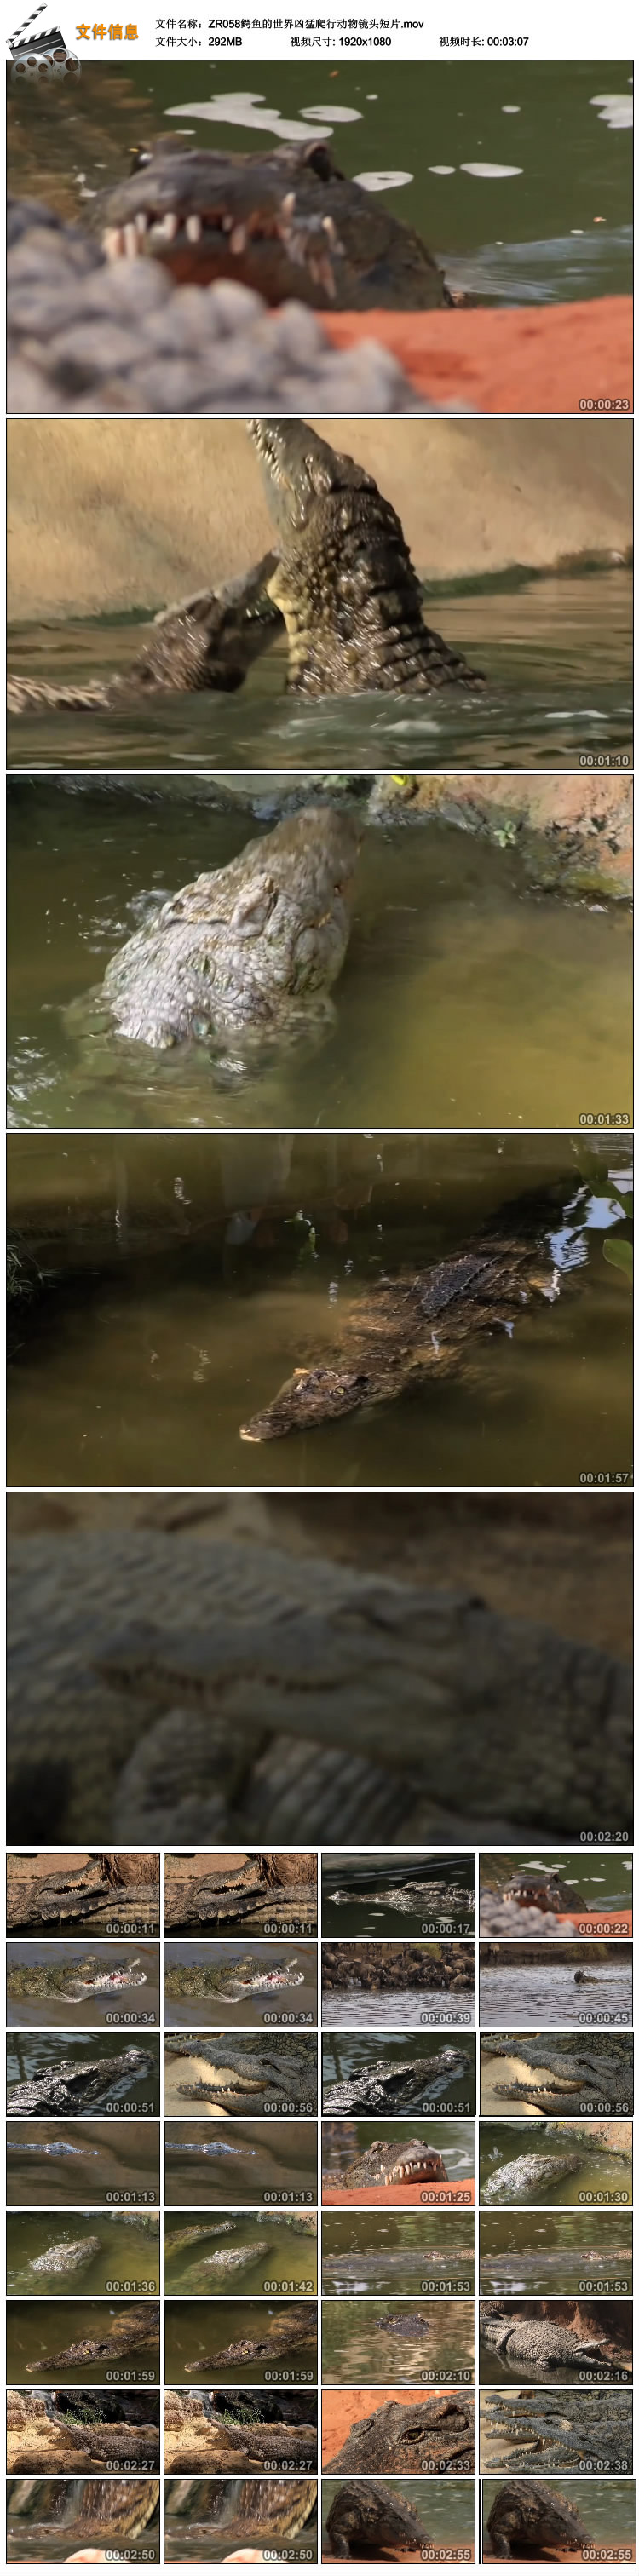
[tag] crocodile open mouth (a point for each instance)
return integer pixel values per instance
(194, 244)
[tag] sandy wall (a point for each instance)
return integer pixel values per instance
(113, 515)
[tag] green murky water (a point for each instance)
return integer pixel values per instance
(197, 2330)
(115, 2161)
(264, 2161)
(359, 2342)
(273, 2007)
(543, 214)
(396, 2245)
(36, 2328)
(556, 655)
(496, 1003)
(288, 2260)
(184, 1281)
(572, 2234)
(122, 2008)
(604, 2176)
(127, 2259)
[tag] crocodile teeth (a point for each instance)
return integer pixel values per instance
(193, 228)
(238, 238)
(130, 241)
(288, 203)
(141, 225)
(113, 242)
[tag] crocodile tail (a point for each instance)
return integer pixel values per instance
(24, 694)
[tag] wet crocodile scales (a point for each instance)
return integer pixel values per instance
(259, 1692)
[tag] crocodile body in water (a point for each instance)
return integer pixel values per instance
(388, 2087)
(527, 2519)
(131, 2331)
(383, 2162)
(368, 2521)
(406, 2321)
(68, 2257)
(43, 1981)
(438, 2433)
(257, 1685)
(70, 2086)
(539, 2343)
(420, 1327)
(353, 2267)
(255, 945)
(521, 2179)
(291, 2331)
(342, 581)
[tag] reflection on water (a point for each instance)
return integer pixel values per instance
(100, 2160)
(361, 2341)
(604, 2171)
(496, 1003)
(400, 2252)
(527, 2251)
(359, 1895)
(287, 2260)
(263, 2159)
(556, 655)
(404, 2009)
(210, 1270)
(606, 2323)
(548, 1996)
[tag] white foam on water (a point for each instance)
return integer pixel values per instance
(492, 170)
(616, 109)
(243, 107)
(374, 179)
(442, 169)
(338, 115)
(511, 111)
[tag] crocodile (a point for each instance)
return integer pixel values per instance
(68, 2257)
(286, 2068)
(421, 1896)
(254, 945)
(367, 2521)
(383, 2162)
(543, 1888)
(576, 2430)
(350, 2267)
(522, 2178)
(257, 2510)
(71, 2085)
(131, 2331)
(569, 2070)
(292, 2329)
(581, 1979)
(438, 2433)
(406, 2321)
(37, 2147)
(231, 1983)
(344, 581)
(539, 2342)
(527, 2518)
(42, 1980)
(415, 1329)
(282, 1671)
(560, 2258)
(217, 2147)
(383, 2085)
(230, 2258)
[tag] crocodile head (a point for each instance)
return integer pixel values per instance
(208, 215)
(300, 469)
(527, 2517)
(310, 1396)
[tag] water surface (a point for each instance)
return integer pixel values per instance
(38, 2327)
(354, 1893)
(556, 654)
(602, 1882)
(183, 1283)
(407, 2238)
(358, 2344)
(115, 2161)
(406, 2008)
(196, 2329)
(273, 2007)
(603, 2177)
(128, 2258)
(453, 2088)
(569, 2234)
(513, 1998)
(134, 2089)
(119, 2008)
(288, 2262)
(262, 2161)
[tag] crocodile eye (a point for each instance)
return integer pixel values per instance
(139, 157)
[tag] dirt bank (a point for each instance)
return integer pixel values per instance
(579, 829)
(106, 515)
(542, 360)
